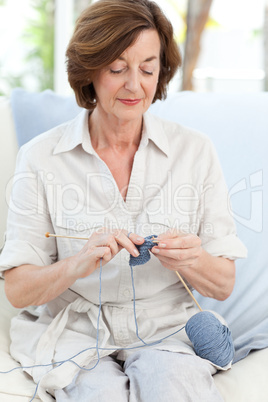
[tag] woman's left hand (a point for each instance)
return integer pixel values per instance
(211, 276)
(176, 249)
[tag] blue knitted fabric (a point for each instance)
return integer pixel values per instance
(211, 340)
(144, 252)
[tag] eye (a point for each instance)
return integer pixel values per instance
(116, 71)
(147, 72)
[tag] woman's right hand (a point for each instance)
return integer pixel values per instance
(34, 285)
(105, 244)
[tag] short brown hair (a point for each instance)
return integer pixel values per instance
(104, 31)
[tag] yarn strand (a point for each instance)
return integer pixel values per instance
(211, 340)
(134, 307)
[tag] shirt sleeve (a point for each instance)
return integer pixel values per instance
(28, 218)
(217, 229)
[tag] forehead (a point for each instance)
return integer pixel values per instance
(146, 47)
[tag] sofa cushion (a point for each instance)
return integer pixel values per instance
(35, 113)
(238, 126)
(245, 382)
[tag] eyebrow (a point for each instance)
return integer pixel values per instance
(144, 61)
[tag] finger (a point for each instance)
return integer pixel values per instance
(89, 260)
(170, 234)
(177, 254)
(136, 239)
(102, 252)
(125, 241)
(105, 239)
(180, 242)
(173, 264)
(111, 242)
(118, 239)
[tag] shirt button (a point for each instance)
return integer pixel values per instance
(126, 292)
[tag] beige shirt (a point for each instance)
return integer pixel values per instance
(62, 186)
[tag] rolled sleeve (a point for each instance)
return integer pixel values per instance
(230, 247)
(18, 252)
(28, 218)
(217, 228)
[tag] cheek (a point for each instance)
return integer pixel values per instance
(113, 83)
(110, 85)
(152, 85)
(106, 88)
(151, 89)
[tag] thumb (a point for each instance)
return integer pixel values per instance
(102, 252)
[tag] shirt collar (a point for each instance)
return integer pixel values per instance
(153, 130)
(76, 133)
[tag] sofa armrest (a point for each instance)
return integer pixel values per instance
(8, 153)
(247, 380)
(17, 385)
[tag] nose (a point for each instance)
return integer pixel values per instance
(132, 82)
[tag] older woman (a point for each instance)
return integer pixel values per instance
(114, 175)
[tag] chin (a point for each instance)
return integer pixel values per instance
(130, 114)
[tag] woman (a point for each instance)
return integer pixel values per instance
(116, 174)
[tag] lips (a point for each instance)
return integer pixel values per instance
(129, 102)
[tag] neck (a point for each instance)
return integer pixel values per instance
(107, 131)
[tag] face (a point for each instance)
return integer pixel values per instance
(125, 89)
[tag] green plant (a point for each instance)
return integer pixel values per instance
(40, 39)
(11, 82)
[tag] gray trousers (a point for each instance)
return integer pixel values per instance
(146, 376)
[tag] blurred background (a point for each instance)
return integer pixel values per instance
(224, 44)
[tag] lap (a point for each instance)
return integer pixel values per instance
(106, 382)
(162, 376)
(147, 375)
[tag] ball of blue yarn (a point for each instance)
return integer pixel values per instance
(144, 252)
(210, 338)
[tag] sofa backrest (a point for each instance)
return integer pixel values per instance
(238, 126)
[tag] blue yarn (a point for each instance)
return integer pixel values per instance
(210, 338)
(97, 348)
(134, 307)
(144, 252)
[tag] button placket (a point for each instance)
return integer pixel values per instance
(134, 201)
(120, 329)
(124, 276)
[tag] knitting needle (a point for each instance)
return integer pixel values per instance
(65, 237)
(154, 241)
(75, 237)
(188, 290)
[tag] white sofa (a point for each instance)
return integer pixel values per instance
(238, 124)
